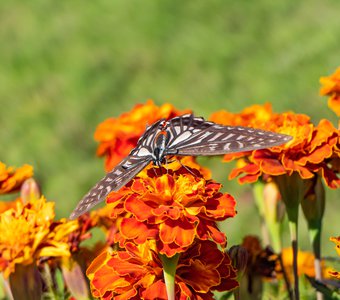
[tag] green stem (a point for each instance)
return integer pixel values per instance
(313, 206)
(285, 278)
(236, 293)
(49, 282)
(169, 272)
(259, 202)
(293, 227)
(7, 287)
(293, 189)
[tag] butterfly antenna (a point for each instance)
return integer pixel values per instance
(184, 166)
(166, 166)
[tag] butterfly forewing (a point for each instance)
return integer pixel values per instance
(195, 136)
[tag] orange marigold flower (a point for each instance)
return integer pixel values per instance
(335, 240)
(331, 87)
(314, 149)
(173, 208)
(28, 233)
(11, 178)
(137, 273)
(305, 264)
(101, 218)
(253, 116)
(6, 205)
(117, 136)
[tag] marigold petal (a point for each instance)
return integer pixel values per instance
(334, 104)
(139, 208)
(132, 229)
(199, 277)
(155, 291)
(180, 232)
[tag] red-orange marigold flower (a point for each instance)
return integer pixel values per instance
(117, 136)
(137, 273)
(261, 261)
(313, 149)
(11, 178)
(331, 87)
(173, 208)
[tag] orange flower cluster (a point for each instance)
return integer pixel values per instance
(118, 136)
(28, 232)
(336, 240)
(314, 149)
(136, 272)
(174, 209)
(163, 212)
(331, 88)
(11, 178)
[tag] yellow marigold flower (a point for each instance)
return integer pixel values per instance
(11, 178)
(331, 87)
(28, 232)
(117, 136)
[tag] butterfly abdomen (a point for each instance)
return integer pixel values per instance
(160, 145)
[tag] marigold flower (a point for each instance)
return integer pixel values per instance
(331, 87)
(117, 136)
(137, 273)
(305, 264)
(28, 233)
(173, 208)
(314, 149)
(101, 218)
(11, 178)
(261, 261)
(336, 240)
(6, 205)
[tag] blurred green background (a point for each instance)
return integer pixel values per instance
(68, 65)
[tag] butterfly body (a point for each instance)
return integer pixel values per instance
(183, 136)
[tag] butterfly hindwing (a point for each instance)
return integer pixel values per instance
(137, 160)
(113, 181)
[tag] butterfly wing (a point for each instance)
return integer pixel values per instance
(126, 170)
(195, 136)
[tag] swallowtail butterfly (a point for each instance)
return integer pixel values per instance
(183, 135)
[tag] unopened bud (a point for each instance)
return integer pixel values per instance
(239, 257)
(29, 190)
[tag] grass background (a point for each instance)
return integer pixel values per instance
(65, 66)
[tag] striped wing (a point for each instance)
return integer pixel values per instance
(195, 136)
(137, 160)
(113, 181)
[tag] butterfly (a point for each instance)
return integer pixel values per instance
(185, 135)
